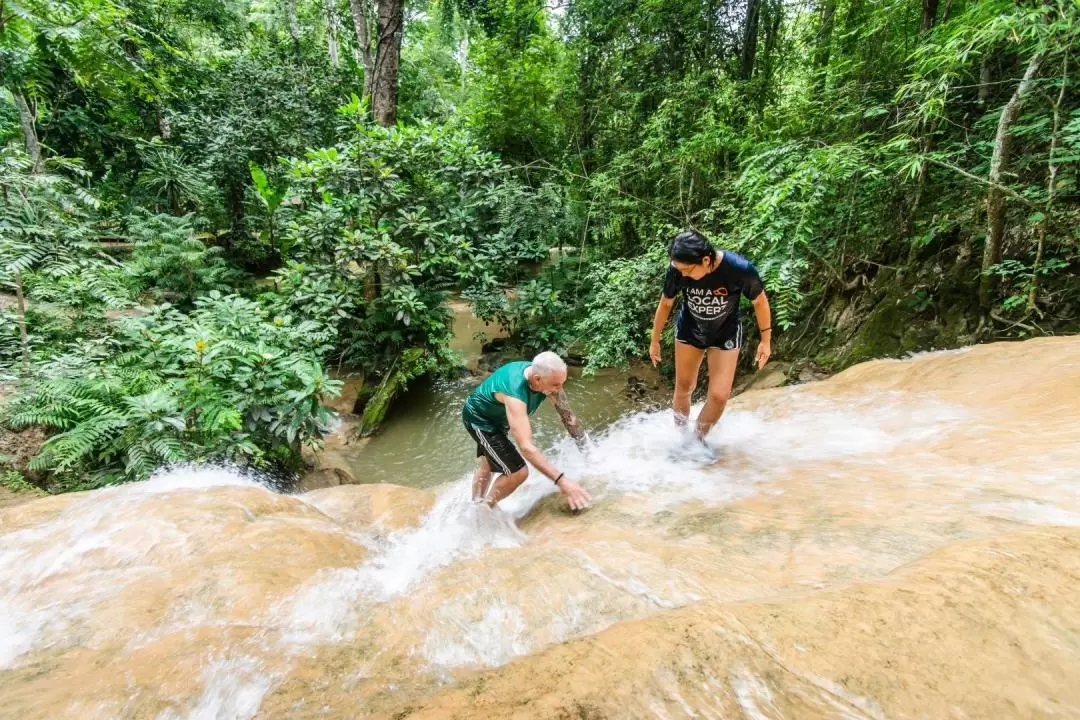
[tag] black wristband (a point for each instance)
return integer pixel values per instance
(559, 478)
(761, 330)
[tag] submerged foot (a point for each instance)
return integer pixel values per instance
(480, 489)
(694, 450)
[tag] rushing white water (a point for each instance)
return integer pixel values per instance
(641, 454)
(89, 533)
(637, 455)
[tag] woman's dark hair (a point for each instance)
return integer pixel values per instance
(690, 246)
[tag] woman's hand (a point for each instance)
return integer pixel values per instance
(576, 495)
(764, 350)
(654, 352)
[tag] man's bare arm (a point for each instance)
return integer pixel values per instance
(521, 430)
(569, 420)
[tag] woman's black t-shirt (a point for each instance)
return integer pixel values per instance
(711, 302)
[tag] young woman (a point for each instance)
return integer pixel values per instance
(711, 282)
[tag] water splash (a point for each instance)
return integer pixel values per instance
(643, 453)
(638, 455)
(330, 607)
(232, 689)
(100, 530)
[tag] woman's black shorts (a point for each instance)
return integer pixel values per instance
(728, 336)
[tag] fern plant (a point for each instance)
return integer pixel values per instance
(45, 227)
(14, 481)
(171, 179)
(225, 382)
(621, 305)
(44, 217)
(172, 260)
(789, 191)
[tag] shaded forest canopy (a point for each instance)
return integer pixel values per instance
(208, 204)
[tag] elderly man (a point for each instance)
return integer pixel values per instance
(502, 403)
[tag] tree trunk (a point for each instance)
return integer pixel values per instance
(463, 52)
(28, 118)
(331, 32)
(929, 15)
(164, 126)
(995, 199)
(750, 38)
(985, 77)
(23, 337)
(823, 43)
(1051, 181)
(361, 14)
(33, 148)
(774, 14)
(387, 60)
(294, 26)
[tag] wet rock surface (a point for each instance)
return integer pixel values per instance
(874, 545)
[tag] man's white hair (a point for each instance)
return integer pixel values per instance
(548, 363)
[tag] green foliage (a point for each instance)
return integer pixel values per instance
(270, 197)
(44, 217)
(172, 259)
(514, 105)
(250, 108)
(1019, 278)
(789, 193)
(379, 226)
(14, 481)
(227, 382)
(169, 180)
(537, 316)
(621, 306)
(47, 251)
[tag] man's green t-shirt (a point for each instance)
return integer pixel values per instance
(484, 412)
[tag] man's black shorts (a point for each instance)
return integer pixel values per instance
(497, 448)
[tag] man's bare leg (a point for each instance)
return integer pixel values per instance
(687, 363)
(721, 375)
(506, 484)
(481, 479)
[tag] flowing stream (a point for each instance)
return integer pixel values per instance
(423, 442)
(901, 540)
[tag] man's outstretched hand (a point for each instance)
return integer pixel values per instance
(576, 495)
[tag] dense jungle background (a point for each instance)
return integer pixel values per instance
(209, 209)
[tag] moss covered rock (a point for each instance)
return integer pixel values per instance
(408, 365)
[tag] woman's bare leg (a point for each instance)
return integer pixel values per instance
(687, 363)
(721, 375)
